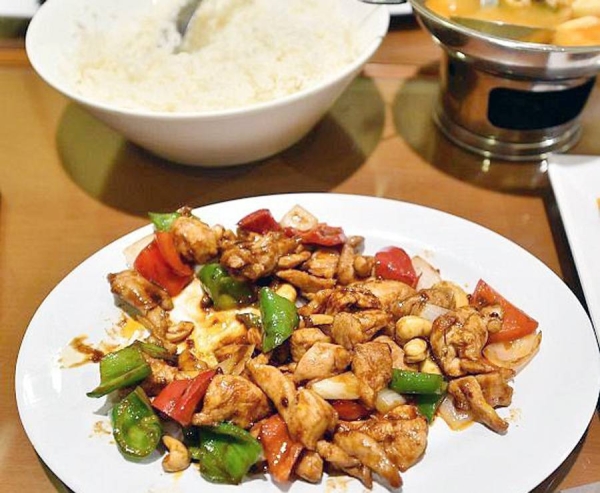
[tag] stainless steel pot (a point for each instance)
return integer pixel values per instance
(508, 99)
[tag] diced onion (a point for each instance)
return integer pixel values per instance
(344, 386)
(454, 418)
(431, 312)
(299, 218)
(427, 274)
(387, 399)
(133, 250)
(515, 354)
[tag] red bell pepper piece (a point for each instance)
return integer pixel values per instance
(393, 263)
(166, 245)
(151, 264)
(515, 322)
(179, 399)
(350, 410)
(260, 221)
(281, 451)
(323, 235)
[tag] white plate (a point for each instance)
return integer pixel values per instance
(21, 9)
(576, 184)
(553, 401)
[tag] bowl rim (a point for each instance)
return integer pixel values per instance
(37, 23)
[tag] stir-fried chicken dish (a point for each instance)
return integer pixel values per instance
(282, 348)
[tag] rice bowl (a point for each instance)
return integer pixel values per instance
(218, 130)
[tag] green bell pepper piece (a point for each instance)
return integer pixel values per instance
(155, 351)
(136, 428)
(163, 221)
(225, 291)
(120, 369)
(279, 318)
(427, 404)
(414, 382)
(225, 452)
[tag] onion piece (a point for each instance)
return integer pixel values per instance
(426, 273)
(233, 358)
(431, 312)
(456, 419)
(388, 399)
(299, 218)
(343, 386)
(514, 354)
(133, 250)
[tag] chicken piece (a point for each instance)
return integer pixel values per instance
(457, 339)
(235, 399)
(340, 299)
(309, 466)
(157, 321)
(413, 305)
(495, 388)
(305, 282)
(195, 240)
(161, 375)
(137, 291)
(370, 453)
(396, 352)
(402, 433)
(345, 270)
(279, 389)
(303, 339)
(372, 365)
(310, 417)
(350, 329)
(322, 360)
(386, 291)
(323, 263)
(293, 260)
(342, 461)
(257, 255)
(468, 396)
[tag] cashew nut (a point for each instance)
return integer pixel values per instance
(179, 332)
(287, 291)
(178, 457)
(415, 351)
(411, 326)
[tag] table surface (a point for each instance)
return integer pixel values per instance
(69, 185)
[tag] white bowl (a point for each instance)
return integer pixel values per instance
(215, 138)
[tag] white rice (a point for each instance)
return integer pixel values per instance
(245, 52)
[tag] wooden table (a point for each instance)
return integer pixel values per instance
(69, 185)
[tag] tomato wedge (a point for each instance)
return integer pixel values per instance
(394, 264)
(151, 264)
(180, 398)
(281, 451)
(350, 410)
(260, 221)
(166, 245)
(515, 322)
(323, 235)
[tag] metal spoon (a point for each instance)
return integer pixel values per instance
(506, 30)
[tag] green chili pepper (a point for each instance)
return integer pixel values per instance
(155, 351)
(120, 369)
(427, 404)
(414, 382)
(163, 221)
(225, 452)
(137, 430)
(225, 291)
(279, 318)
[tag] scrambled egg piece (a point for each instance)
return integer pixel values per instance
(212, 329)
